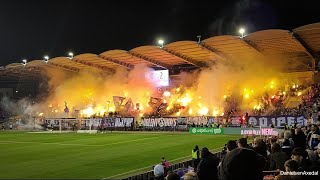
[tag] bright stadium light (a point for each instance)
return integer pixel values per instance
(242, 31)
(161, 42)
(46, 59)
(70, 55)
(24, 62)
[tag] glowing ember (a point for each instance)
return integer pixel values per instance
(87, 112)
(166, 94)
(215, 112)
(257, 107)
(185, 100)
(203, 111)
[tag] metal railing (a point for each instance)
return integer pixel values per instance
(173, 167)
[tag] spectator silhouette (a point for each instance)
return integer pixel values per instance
(277, 158)
(190, 176)
(290, 166)
(172, 176)
(243, 143)
(300, 155)
(299, 139)
(158, 172)
(207, 168)
(231, 145)
(242, 163)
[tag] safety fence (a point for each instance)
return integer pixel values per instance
(173, 167)
(185, 164)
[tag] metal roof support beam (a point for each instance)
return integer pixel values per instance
(299, 59)
(127, 65)
(155, 62)
(52, 65)
(65, 67)
(309, 50)
(9, 75)
(94, 65)
(214, 50)
(23, 71)
(23, 75)
(185, 58)
(252, 45)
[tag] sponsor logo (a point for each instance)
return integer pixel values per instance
(206, 131)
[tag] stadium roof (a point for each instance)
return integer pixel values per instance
(301, 46)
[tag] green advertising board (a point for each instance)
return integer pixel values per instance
(200, 130)
(236, 131)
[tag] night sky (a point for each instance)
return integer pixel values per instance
(32, 28)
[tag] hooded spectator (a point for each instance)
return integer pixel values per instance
(242, 163)
(299, 139)
(277, 158)
(207, 168)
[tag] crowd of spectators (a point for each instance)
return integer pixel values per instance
(294, 151)
(309, 107)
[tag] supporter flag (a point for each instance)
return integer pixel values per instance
(118, 100)
(66, 109)
(163, 105)
(128, 105)
(155, 102)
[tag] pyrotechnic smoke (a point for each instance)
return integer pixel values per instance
(22, 110)
(93, 91)
(209, 91)
(241, 81)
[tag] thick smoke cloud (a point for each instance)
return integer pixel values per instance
(244, 78)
